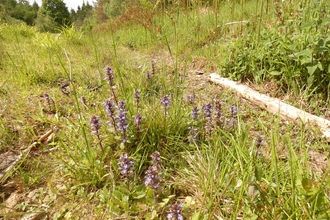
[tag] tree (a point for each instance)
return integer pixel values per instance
(52, 15)
(83, 13)
(25, 12)
(20, 10)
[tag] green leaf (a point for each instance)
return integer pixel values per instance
(196, 216)
(307, 184)
(139, 192)
(305, 53)
(275, 73)
(312, 69)
(118, 195)
(258, 173)
(322, 49)
(166, 200)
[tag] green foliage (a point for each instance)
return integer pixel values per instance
(20, 10)
(24, 11)
(82, 16)
(52, 15)
(44, 21)
(295, 54)
(70, 34)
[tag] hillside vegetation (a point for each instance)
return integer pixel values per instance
(138, 132)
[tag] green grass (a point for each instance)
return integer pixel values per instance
(251, 165)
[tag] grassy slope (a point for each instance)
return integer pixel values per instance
(263, 168)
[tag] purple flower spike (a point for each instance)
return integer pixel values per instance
(138, 121)
(95, 124)
(166, 101)
(122, 105)
(155, 157)
(110, 110)
(110, 76)
(153, 69)
(46, 96)
(175, 213)
(191, 99)
(233, 110)
(109, 107)
(125, 165)
(137, 97)
(207, 110)
(148, 76)
(194, 113)
(122, 121)
(152, 177)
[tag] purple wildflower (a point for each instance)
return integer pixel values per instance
(194, 113)
(137, 97)
(50, 101)
(111, 81)
(260, 142)
(148, 76)
(153, 69)
(138, 121)
(217, 112)
(166, 101)
(233, 110)
(152, 177)
(110, 110)
(207, 110)
(191, 98)
(46, 96)
(109, 107)
(155, 158)
(83, 100)
(175, 213)
(95, 124)
(217, 109)
(122, 121)
(125, 165)
(122, 105)
(110, 76)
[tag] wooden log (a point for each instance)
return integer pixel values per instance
(274, 105)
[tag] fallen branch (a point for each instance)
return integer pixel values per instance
(273, 105)
(10, 159)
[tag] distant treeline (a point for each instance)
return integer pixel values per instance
(50, 16)
(54, 14)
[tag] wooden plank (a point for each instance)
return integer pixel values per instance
(274, 105)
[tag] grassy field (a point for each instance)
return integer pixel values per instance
(140, 133)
